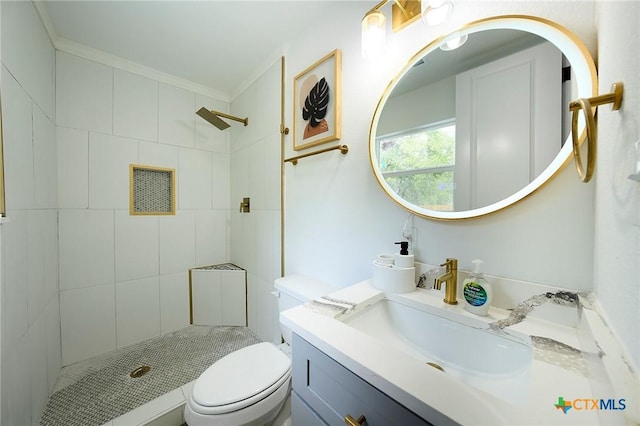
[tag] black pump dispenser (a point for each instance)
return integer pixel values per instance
(404, 247)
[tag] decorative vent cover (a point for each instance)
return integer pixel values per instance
(152, 190)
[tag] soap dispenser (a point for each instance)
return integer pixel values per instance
(403, 259)
(477, 292)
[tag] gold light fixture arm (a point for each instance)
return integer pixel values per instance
(587, 105)
(403, 12)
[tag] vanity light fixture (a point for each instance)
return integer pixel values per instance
(403, 13)
(435, 12)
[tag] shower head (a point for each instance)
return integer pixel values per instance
(213, 117)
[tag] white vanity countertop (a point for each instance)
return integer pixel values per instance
(567, 362)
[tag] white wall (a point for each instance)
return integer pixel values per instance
(255, 173)
(617, 228)
(124, 279)
(337, 219)
(31, 357)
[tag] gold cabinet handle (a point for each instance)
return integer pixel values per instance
(353, 422)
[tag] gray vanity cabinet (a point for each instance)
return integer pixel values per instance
(325, 392)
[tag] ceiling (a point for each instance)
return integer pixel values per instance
(217, 44)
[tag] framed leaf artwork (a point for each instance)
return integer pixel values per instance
(316, 103)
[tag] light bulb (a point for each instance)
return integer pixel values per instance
(435, 12)
(454, 43)
(373, 35)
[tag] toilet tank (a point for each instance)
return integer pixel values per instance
(294, 290)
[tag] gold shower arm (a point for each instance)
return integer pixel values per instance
(244, 121)
(587, 105)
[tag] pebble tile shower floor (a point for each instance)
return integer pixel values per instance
(94, 391)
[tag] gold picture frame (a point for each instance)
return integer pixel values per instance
(317, 103)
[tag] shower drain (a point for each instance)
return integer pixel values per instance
(140, 371)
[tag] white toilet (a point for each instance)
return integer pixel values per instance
(250, 386)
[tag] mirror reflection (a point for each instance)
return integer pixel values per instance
(463, 129)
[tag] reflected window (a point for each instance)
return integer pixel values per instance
(419, 164)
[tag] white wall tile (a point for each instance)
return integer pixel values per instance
(86, 248)
(44, 160)
(211, 237)
(174, 301)
(136, 246)
(177, 242)
(54, 346)
(209, 137)
(73, 168)
(17, 144)
(266, 241)
(221, 180)
(234, 297)
(38, 369)
(35, 260)
(267, 91)
(34, 70)
(159, 155)
(206, 298)
(15, 277)
(137, 310)
(256, 174)
(245, 105)
(109, 159)
(84, 93)
(195, 179)
(49, 243)
(177, 114)
(87, 317)
(135, 106)
(16, 408)
(272, 172)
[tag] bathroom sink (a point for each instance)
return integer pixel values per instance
(467, 349)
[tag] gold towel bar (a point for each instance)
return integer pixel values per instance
(294, 160)
(587, 105)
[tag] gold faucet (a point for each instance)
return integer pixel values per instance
(450, 279)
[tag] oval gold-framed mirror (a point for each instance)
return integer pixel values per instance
(465, 132)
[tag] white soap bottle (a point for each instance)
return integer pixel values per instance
(477, 292)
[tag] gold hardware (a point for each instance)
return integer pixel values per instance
(450, 279)
(284, 130)
(587, 105)
(3, 207)
(436, 366)
(403, 12)
(245, 205)
(139, 372)
(213, 117)
(354, 422)
(163, 187)
(294, 160)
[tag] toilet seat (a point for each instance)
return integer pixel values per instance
(240, 379)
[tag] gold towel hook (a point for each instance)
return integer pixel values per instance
(587, 105)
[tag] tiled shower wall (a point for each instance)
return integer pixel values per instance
(30, 311)
(124, 278)
(255, 173)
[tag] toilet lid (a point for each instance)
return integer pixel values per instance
(238, 379)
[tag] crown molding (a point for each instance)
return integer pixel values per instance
(78, 49)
